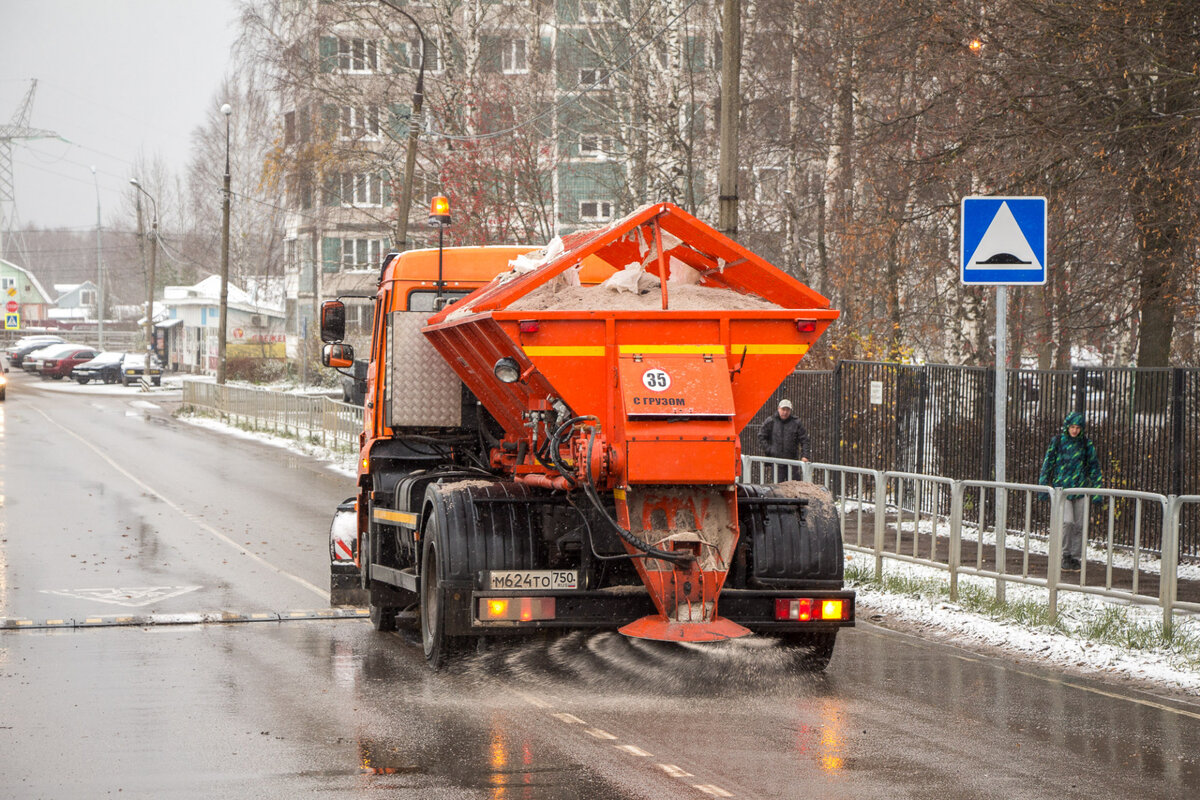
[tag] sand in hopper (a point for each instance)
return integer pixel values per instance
(680, 297)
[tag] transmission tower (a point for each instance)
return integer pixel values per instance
(17, 129)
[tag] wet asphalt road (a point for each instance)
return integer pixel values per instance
(110, 507)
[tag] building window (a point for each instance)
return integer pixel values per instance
(358, 55)
(512, 56)
(595, 210)
(593, 79)
(364, 189)
(362, 253)
(8, 283)
(87, 297)
(593, 145)
(433, 59)
(359, 123)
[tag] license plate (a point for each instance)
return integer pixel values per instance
(537, 579)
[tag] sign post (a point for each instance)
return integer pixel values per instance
(1003, 244)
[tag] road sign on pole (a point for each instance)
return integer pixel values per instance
(12, 322)
(1003, 241)
(1003, 244)
(12, 307)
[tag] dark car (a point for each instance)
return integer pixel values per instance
(105, 367)
(60, 364)
(134, 368)
(27, 345)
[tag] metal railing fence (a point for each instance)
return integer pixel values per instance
(939, 420)
(323, 421)
(989, 530)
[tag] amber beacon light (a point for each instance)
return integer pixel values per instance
(439, 211)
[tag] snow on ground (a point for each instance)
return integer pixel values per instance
(939, 619)
(343, 463)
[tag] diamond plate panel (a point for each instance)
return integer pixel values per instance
(424, 391)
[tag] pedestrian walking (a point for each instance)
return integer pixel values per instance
(783, 435)
(1071, 463)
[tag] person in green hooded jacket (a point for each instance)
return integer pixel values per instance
(1071, 463)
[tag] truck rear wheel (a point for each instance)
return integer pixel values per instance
(383, 618)
(817, 647)
(439, 647)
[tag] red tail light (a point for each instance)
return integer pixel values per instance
(528, 326)
(806, 325)
(806, 609)
(797, 608)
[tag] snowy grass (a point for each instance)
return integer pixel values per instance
(1091, 635)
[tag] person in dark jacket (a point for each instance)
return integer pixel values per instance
(1071, 463)
(782, 436)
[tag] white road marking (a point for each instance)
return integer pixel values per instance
(599, 734)
(145, 404)
(570, 719)
(194, 519)
(710, 789)
(633, 750)
(674, 771)
(533, 701)
(131, 597)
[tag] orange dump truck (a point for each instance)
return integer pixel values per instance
(551, 440)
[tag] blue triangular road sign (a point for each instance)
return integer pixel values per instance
(1003, 240)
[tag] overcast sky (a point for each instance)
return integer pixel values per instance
(116, 78)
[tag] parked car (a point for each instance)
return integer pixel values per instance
(24, 346)
(3, 382)
(33, 360)
(60, 364)
(133, 368)
(104, 367)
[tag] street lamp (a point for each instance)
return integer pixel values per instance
(153, 257)
(226, 110)
(99, 271)
(410, 156)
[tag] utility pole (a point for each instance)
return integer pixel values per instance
(99, 271)
(153, 257)
(410, 155)
(221, 324)
(731, 103)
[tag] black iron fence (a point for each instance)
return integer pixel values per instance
(940, 420)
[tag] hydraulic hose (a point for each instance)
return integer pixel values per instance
(678, 559)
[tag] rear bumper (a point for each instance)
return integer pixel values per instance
(755, 609)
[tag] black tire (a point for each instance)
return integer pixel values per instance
(440, 648)
(383, 618)
(82, 380)
(57, 377)
(817, 649)
(157, 381)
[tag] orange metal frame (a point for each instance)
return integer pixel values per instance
(669, 390)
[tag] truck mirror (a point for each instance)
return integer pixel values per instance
(333, 321)
(338, 356)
